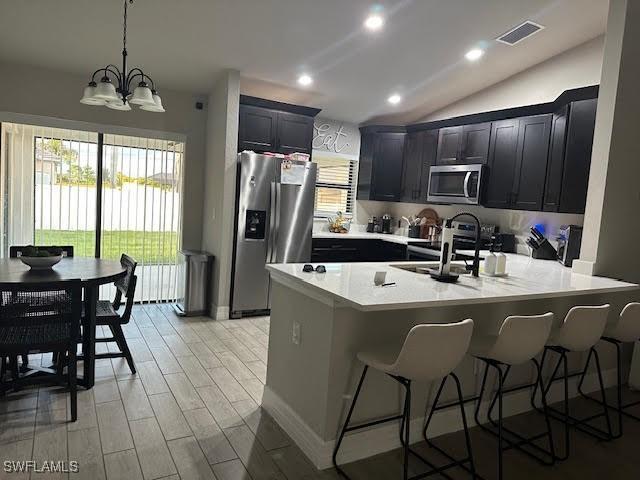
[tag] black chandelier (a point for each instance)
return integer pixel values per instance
(116, 93)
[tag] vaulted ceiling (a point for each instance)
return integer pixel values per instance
(419, 52)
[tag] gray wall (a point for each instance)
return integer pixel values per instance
(578, 67)
(45, 93)
(335, 136)
(219, 185)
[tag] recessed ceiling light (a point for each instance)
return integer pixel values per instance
(374, 22)
(394, 99)
(305, 80)
(474, 54)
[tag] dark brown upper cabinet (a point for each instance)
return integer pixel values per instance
(449, 145)
(531, 162)
(553, 182)
(475, 143)
(267, 126)
(538, 156)
(257, 129)
(294, 133)
(570, 157)
(502, 164)
(464, 144)
(419, 155)
(380, 175)
(518, 163)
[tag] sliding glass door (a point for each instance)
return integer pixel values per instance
(103, 194)
(141, 203)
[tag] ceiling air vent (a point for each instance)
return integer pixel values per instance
(519, 33)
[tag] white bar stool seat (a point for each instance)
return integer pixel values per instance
(625, 330)
(581, 329)
(429, 352)
(519, 340)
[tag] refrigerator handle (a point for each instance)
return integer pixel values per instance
(274, 248)
(272, 222)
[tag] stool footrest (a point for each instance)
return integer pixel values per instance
(374, 422)
(580, 423)
(521, 442)
(442, 469)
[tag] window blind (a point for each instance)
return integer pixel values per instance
(336, 182)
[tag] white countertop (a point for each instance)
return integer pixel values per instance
(351, 284)
(387, 237)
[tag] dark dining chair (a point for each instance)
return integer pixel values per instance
(107, 312)
(41, 319)
(16, 250)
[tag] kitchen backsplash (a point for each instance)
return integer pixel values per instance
(509, 221)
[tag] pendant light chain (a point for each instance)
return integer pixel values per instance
(124, 29)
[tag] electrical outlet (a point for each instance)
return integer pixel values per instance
(295, 333)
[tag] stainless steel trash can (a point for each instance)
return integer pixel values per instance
(194, 278)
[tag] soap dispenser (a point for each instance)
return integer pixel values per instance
(490, 262)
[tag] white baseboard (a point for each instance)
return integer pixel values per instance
(382, 438)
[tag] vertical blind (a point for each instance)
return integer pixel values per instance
(335, 183)
(50, 196)
(141, 207)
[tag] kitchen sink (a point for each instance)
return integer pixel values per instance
(423, 268)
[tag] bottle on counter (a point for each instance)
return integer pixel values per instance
(371, 224)
(490, 262)
(501, 261)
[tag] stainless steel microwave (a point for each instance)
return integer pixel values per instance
(456, 184)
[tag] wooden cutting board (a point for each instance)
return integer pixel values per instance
(431, 215)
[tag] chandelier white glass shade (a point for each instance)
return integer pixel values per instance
(119, 89)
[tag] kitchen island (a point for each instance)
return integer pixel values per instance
(320, 321)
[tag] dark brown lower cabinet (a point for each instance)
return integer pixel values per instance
(345, 250)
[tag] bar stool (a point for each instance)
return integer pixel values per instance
(519, 340)
(582, 328)
(429, 352)
(625, 330)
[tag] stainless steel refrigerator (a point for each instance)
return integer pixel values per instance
(275, 199)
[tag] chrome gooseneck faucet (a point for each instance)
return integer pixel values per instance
(443, 273)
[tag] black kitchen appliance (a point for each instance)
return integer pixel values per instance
(569, 240)
(386, 223)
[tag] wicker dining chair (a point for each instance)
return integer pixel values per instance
(41, 319)
(15, 251)
(107, 312)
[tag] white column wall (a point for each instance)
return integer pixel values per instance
(611, 222)
(220, 185)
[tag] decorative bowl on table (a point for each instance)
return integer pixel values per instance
(40, 258)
